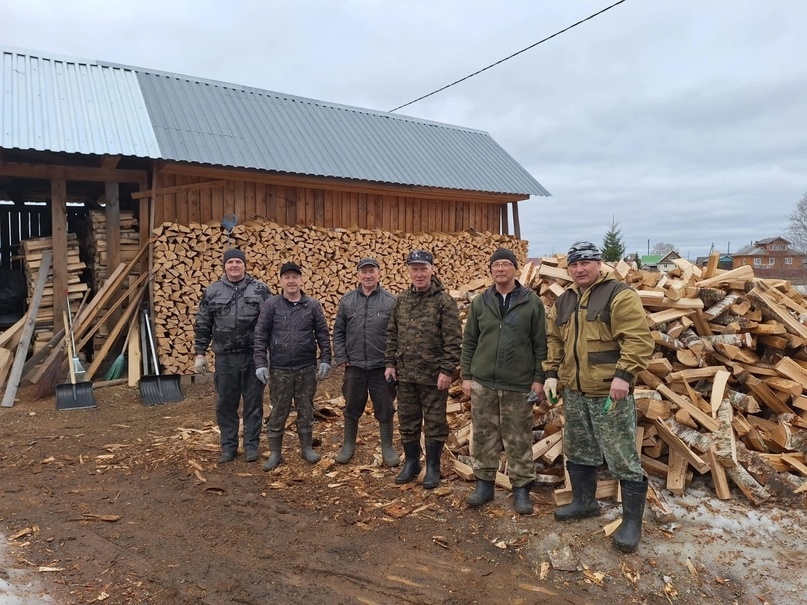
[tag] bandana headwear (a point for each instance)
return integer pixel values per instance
(583, 251)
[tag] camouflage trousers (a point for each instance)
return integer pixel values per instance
(502, 419)
(422, 404)
(286, 386)
(235, 378)
(593, 434)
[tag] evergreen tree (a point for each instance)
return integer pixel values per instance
(613, 248)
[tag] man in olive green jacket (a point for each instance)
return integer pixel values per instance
(502, 350)
(598, 342)
(424, 338)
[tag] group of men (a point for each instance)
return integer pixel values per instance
(586, 353)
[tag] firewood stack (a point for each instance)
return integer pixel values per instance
(31, 253)
(187, 258)
(724, 393)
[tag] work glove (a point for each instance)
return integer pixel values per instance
(262, 374)
(551, 390)
(200, 365)
(324, 368)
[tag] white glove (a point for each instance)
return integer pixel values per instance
(324, 368)
(262, 374)
(551, 390)
(200, 365)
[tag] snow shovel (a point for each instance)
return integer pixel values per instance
(75, 395)
(156, 389)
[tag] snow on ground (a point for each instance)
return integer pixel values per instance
(18, 586)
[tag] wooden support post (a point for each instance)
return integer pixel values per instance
(505, 223)
(516, 221)
(112, 211)
(58, 202)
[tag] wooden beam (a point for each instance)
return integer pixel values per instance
(112, 210)
(70, 173)
(109, 162)
(342, 184)
(505, 226)
(58, 210)
(139, 195)
(516, 221)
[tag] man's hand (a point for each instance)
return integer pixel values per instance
(466, 387)
(538, 389)
(262, 374)
(200, 364)
(443, 381)
(391, 372)
(324, 368)
(551, 390)
(619, 389)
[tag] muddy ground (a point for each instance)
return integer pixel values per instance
(126, 504)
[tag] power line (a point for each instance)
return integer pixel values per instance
(476, 73)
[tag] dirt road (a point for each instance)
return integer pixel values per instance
(125, 504)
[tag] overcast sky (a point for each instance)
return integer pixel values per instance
(685, 121)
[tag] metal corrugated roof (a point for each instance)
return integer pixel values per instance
(52, 103)
(93, 107)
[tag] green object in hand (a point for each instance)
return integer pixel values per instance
(606, 407)
(552, 399)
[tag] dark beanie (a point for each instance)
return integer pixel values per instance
(234, 253)
(503, 254)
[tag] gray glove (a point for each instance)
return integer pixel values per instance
(324, 368)
(200, 365)
(262, 374)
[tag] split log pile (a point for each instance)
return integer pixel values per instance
(187, 258)
(31, 254)
(723, 395)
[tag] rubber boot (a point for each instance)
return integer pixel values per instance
(434, 450)
(275, 453)
(521, 499)
(349, 442)
(307, 452)
(627, 536)
(226, 457)
(411, 467)
(251, 455)
(483, 492)
(584, 488)
(388, 453)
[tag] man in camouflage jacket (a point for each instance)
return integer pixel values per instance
(424, 338)
(227, 315)
(598, 342)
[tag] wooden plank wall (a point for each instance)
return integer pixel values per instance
(18, 223)
(323, 208)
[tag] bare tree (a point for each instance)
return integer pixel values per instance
(662, 248)
(797, 229)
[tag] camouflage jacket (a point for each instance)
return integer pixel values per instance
(291, 331)
(227, 315)
(505, 353)
(595, 335)
(360, 328)
(424, 336)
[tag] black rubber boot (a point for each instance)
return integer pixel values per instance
(307, 452)
(434, 450)
(627, 536)
(521, 499)
(388, 453)
(251, 455)
(275, 453)
(411, 467)
(226, 457)
(483, 492)
(584, 488)
(349, 442)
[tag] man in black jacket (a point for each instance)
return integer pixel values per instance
(227, 314)
(291, 326)
(359, 341)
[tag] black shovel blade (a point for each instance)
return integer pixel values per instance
(77, 396)
(155, 390)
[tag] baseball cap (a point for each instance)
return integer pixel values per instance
(420, 256)
(583, 251)
(368, 262)
(290, 267)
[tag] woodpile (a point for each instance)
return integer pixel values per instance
(724, 394)
(187, 258)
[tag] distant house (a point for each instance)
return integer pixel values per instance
(660, 262)
(772, 256)
(724, 262)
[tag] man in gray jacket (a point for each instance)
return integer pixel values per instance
(359, 342)
(227, 314)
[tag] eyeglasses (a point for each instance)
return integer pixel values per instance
(505, 264)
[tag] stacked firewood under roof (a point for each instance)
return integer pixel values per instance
(187, 258)
(723, 395)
